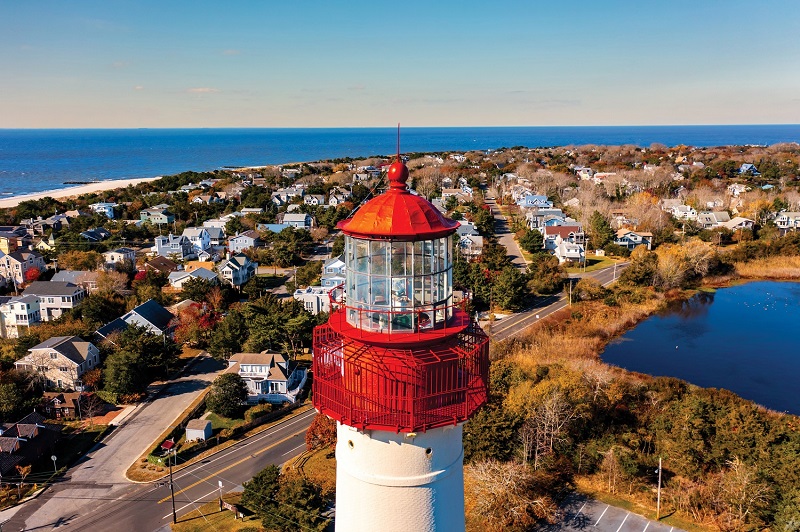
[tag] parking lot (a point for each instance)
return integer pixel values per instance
(584, 514)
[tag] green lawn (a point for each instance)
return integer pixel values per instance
(593, 263)
(209, 517)
(219, 422)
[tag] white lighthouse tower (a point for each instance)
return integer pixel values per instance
(400, 367)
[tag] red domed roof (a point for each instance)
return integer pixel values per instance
(398, 214)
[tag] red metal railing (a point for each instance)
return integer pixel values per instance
(403, 390)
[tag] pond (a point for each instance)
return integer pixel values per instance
(745, 338)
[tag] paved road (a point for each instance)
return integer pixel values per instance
(582, 514)
(100, 474)
(544, 306)
(505, 237)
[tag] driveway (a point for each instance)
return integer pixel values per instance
(100, 474)
(583, 514)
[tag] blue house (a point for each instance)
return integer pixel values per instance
(749, 169)
(534, 200)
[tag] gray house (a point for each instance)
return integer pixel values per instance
(55, 298)
(177, 246)
(242, 241)
(150, 315)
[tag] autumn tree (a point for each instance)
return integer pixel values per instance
(80, 260)
(501, 496)
(321, 433)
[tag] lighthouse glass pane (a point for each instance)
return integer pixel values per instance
(378, 251)
(398, 287)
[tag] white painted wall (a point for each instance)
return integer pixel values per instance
(398, 482)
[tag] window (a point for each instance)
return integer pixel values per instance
(63, 369)
(53, 356)
(51, 300)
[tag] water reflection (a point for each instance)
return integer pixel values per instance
(725, 339)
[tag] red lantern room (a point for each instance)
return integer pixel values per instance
(397, 352)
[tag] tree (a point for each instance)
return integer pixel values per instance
(196, 289)
(642, 268)
(226, 395)
(509, 289)
(32, 274)
(111, 282)
(80, 260)
(545, 274)
(600, 230)
(741, 494)
(501, 496)
(124, 373)
(321, 433)
(531, 241)
(259, 492)
(229, 336)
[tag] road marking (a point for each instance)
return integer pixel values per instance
(602, 514)
(645, 526)
(623, 521)
(579, 511)
(246, 458)
(190, 504)
(293, 450)
(255, 439)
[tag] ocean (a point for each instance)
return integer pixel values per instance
(43, 159)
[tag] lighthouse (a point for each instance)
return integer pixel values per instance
(399, 366)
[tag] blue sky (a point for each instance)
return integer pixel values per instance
(115, 63)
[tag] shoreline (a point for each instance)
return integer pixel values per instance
(69, 192)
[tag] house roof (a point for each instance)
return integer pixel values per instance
(236, 262)
(153, 313)
(247, 234)
(295, 217)
(116, 325)
(162, 264)
(23, 255)
(72, 347)
(123, 251)
(623, 232)
(74, 276)
(262, 358)
(562, 230)
(194, 232)
(51, 288)
(197, 424)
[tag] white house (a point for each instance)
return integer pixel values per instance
(15, 265)
(198, 237)
(177, 246)
(734, 224)
(299, 220)
(334, 271)
(237, 270)
(268, 375)
(17, 314)
(104, 208)
(61, 360)
(315, 299)
(712, 219)
(179, 278)
(569, 252)
(314, 199)
(787, 221)
(245, 240)
(630, 239)
(119, 255)
(55, 298)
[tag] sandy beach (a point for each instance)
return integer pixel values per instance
(70, 192)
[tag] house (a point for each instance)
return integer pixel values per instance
(299, 220)
(737, 188)
(237, 270)
(14, 266)
(198, 430)
(569, 252)
(337, 199)
(25, 442)
(177, 246)
(467, 229)
(60, 360)
(199, 238)
(251, 210)
(538, 218)
(712, 219)
(45, 244)
(207, 199)
(98, 234)
(178, 278)
(216, 222)
(566, 233)
(55, 298)
(150, 315)
(216, 236)
(334, 271)
(315, 299)
(460, 195)
(161, 265)
(630, 239)
(104, 208)
(533, 200)
(269, 376)
(157, 215)
(314, 199)
(17, 314)
(86, 279)
(787, 221)
(246, 240)
(736, 223)
(749, 169)
(119, 255)
(684, 212)
(471, 245)
(70, 405)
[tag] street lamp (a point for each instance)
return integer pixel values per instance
(55, 467)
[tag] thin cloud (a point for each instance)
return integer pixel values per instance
(202, 90)
(231, 52)
(138, 88)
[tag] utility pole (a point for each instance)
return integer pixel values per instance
(658, 499)
(172, 491)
